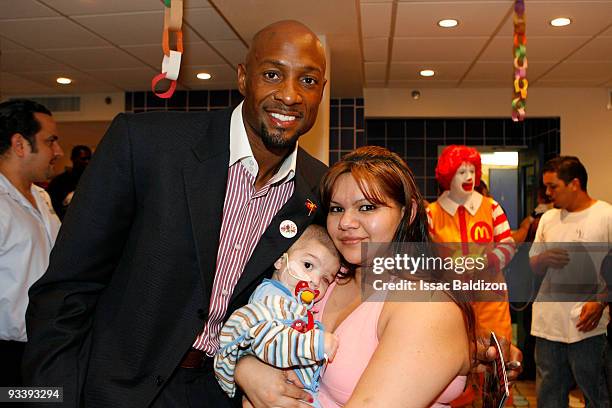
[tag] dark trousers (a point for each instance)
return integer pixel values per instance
(561, 365)
(194, 388)
(11, 353)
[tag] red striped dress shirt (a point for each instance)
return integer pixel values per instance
(246, 215)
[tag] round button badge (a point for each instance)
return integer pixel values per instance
(288, 229)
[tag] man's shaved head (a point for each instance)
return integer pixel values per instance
(286, 29)
(282, 82)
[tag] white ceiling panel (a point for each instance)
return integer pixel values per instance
(588, 18)
(80, 80)
(598, 49)
(20, 61)
(322, 16)
(504, 71)
(8, 45)
(375, 49)
(94, 58)
(375, 84)
(151, 54)
(200, 54)
(579, 83)
(233, 50)
(486, 84)
(14, 84)
(375, 71)
(209, 24)
(120, 29)
(120, 43)
(375, 19)
(540, 49)
(24, 9)
(436, 49)
(81, 7)
(410, 71)
(585, 71)
(127, 79)
(476, 18)
(44, 33)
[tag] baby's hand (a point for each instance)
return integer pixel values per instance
(330, 345)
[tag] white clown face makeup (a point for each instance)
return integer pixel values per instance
(463, 182)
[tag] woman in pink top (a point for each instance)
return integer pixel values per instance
(391, 354)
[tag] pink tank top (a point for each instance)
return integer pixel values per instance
(341, 376)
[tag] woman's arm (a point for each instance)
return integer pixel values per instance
(422, 348)
(267, 386)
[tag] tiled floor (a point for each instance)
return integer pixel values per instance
(526, 389)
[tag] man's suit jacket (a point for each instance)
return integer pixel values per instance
(130, 278)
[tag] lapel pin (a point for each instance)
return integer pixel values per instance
(310, 206)
(288, 229)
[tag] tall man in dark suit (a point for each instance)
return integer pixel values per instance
(177, 219)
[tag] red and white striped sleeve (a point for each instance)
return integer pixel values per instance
(504, 249)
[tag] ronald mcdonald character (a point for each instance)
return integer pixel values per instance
(462, 215)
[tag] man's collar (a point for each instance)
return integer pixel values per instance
(9, 188)
(240, 150)
(240, 147)
(5, 184)
(472, 204)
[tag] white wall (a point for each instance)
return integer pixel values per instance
(79, 133)
(95, 108)
(586, 123)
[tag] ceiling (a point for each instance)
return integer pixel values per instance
(115, 45)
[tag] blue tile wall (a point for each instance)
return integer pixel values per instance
(416, 140)
(346, 126)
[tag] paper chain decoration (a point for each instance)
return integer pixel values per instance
(519, 98)
(171, 63)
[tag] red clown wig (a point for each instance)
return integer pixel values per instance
(451, 159)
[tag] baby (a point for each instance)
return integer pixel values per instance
(279, 314)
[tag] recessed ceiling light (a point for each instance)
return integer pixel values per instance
(448, 23)
(204, 75)
(427, 73)
(63, 81)
(560, 22)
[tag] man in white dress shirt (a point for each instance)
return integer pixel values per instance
(28, 225)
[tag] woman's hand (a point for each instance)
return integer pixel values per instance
(266, 386)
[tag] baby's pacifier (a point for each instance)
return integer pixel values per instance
(305, 293)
